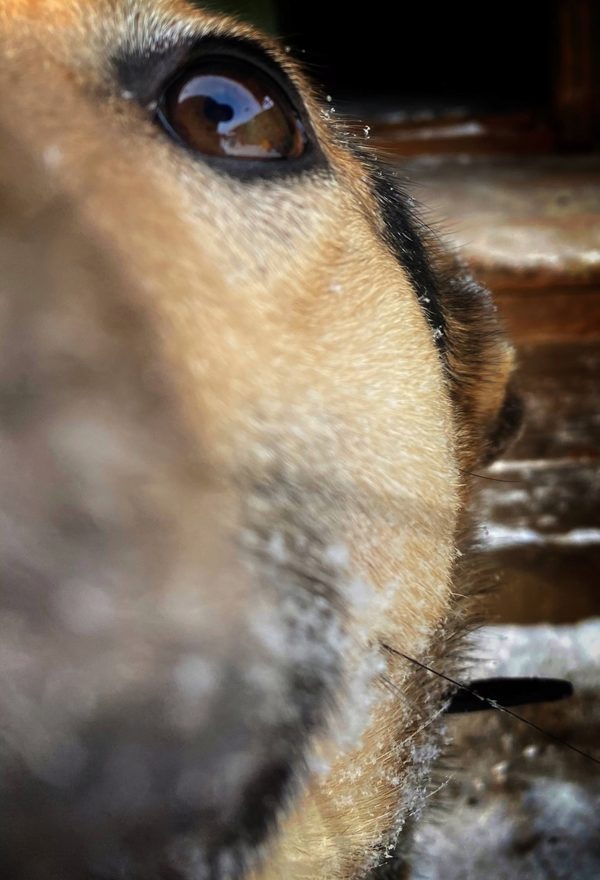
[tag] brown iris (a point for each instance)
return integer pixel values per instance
(229, 109)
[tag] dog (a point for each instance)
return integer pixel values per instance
(242, 389)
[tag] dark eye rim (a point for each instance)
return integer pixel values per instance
(233, 52)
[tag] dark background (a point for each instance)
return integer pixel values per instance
(478, 55)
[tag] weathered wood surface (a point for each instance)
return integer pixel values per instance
(560, 384)
(563, 314)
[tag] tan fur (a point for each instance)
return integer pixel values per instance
(289, 340)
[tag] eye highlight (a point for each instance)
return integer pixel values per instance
(230, 109)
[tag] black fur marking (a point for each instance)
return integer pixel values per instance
(483, 694)
(401, 234)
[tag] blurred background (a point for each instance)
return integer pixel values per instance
(491, 112)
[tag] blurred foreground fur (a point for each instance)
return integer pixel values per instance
(237, 413)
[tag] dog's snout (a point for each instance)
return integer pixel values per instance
(240, 385)
(157, 675)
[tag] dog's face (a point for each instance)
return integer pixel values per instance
(239, 389)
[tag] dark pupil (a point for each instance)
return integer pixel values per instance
(216, 112)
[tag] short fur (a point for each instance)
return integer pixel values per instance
(236, 415)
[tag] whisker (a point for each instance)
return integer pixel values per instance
(491, 479)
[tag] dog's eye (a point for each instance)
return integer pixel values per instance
(230, 109)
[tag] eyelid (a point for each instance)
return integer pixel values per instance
(147, 71)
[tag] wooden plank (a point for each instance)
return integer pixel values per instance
(560, 384)
(540, 538)
(543, 584)
(557, 502)
(565, 314)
